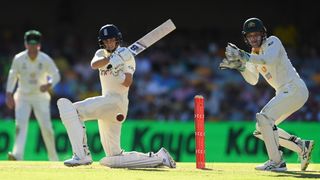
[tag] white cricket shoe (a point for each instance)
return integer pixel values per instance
(305, 156)
(76, 161)
(11, 157)
(272, 166)
(167, 159)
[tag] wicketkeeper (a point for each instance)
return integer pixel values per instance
(269, 58)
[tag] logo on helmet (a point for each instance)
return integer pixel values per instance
(105, 32)
(109, 31)
(251, 25)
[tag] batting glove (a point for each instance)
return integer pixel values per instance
(115, 62)
(124, 53)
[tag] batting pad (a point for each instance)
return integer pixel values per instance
(132, 160)
(75, 128)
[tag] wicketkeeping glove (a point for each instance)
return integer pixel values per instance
(234, 53)
(232, 64)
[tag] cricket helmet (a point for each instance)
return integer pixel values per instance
(109, 31)
(32, 37)
(253, 25)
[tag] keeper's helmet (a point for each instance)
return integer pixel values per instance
(32, 37)
(253, 25)
(109, 31)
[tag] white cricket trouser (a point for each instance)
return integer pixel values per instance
(105, 109)
(289, 98)
(40, 104)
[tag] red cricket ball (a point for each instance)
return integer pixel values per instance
(120, 117)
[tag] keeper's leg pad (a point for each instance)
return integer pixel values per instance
(75, 128)
(285, 140)
(270, 135)
(132, 160)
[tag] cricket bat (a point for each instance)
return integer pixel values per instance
(146, 41)
(152, 37)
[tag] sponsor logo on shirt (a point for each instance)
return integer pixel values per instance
(268, 76)
(105, 72)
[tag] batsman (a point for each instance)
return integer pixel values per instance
(268, 57)
(116, 67)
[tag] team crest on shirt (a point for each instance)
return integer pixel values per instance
(33, 75)
(40, 66)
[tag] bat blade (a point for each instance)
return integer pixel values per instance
(152, 37)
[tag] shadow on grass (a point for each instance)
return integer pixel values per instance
(206, 169)
(162, 169)
(149, 169)
(299, 174)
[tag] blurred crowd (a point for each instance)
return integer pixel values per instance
(169, 75)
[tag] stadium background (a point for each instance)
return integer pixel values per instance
(175, 69)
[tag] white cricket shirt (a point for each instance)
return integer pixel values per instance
(273, 63)
(32, 74)
(110, 81)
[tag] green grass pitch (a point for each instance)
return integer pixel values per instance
(24, 170)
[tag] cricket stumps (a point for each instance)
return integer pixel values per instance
(199, 131)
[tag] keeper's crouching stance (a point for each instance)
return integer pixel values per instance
(116, 67)
(269, 58)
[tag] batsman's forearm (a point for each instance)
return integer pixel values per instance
(99, 63)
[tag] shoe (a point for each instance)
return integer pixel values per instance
(167, 159)
(11, 157)
(272, 166)
(76, 161)
(305, 156)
